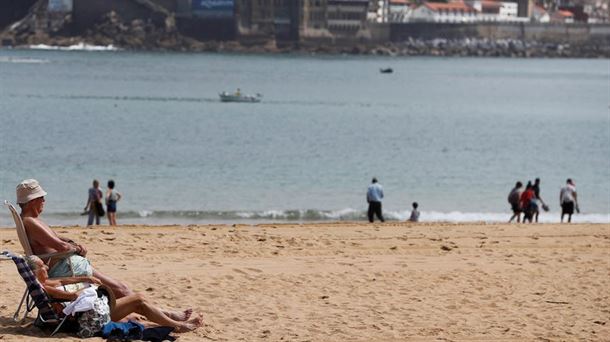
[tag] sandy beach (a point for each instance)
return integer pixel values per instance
(355, 281)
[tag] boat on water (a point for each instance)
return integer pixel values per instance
(239, 97)
(386, 70)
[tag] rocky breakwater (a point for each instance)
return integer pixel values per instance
(493, 48)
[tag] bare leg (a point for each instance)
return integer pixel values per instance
(120, 289)
(138, 304)
(179, 315)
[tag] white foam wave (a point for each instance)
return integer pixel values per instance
(23, 60)
(76, 47)
(460, 217)
(145, 213)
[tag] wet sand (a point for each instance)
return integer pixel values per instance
(354, 281)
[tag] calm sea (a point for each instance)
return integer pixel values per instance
(453, 134)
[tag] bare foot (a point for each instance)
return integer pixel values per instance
(190, 325)
(180, 316)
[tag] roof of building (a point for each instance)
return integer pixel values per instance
(452, 6)
(539, 10)
(564, 13)
(491, 4)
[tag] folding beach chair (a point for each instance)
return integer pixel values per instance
(36, 296)
(25, 243)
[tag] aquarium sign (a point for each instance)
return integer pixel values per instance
(213, 8)
(60, 6)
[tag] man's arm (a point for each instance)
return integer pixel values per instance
(41, 236)
(80, 249)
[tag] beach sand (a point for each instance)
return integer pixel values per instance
(355, 281)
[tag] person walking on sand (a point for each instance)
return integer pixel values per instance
(414, 213)
(112, 197)
(94, 203)
(528, 203)
(538, 198)
(514, 197)
(374, 195)
(568, 200)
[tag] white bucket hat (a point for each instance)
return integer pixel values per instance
(28, 190)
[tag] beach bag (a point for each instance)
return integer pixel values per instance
(91, 322)
(99, 209)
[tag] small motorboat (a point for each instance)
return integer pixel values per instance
(239, 97)
(386, 70)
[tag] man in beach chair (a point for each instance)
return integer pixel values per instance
(41, 240)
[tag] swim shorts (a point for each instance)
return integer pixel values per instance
(567, 208)
(80, 266)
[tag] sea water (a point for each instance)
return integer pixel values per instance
(453, 134)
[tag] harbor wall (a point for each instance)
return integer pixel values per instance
(553, 33)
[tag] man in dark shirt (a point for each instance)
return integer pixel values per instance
(537, 196)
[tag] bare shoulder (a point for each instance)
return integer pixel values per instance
(34, 224)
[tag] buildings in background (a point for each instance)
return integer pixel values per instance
(317, 21)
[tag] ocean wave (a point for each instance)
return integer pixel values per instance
(75, 47)
(23, 60)
(308, 215)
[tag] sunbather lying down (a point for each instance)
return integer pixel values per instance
(124, 308)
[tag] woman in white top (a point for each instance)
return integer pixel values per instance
(112, 197)
(124, 307)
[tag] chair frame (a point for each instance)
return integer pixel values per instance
(35, 294)
(25, 243)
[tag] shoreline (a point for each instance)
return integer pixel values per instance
(449, 48)
(353, 281)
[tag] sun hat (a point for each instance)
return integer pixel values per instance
(28, 190)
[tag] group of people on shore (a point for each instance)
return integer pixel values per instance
(528, 202)
(374, 196)
(95, 207)
(76, 268)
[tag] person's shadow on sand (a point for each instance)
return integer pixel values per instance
(26, 328)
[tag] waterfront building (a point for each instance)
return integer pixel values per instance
(314, 21)
(540, 15)
(400, 11)
(201, 19)
(334, 20)
(490, 10)
(347, 17)
(379, 11)
(286, 20)
(562, 16)
(254, 20)
(525, 8)
(452, 12)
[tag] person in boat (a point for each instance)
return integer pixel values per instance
(124, 307)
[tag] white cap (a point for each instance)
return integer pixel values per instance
(28, 190)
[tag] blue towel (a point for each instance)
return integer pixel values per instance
(123, 330)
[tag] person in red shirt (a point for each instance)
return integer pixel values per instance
(526, 202)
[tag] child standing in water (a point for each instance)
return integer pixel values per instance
(112, 197)
(414, 213)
